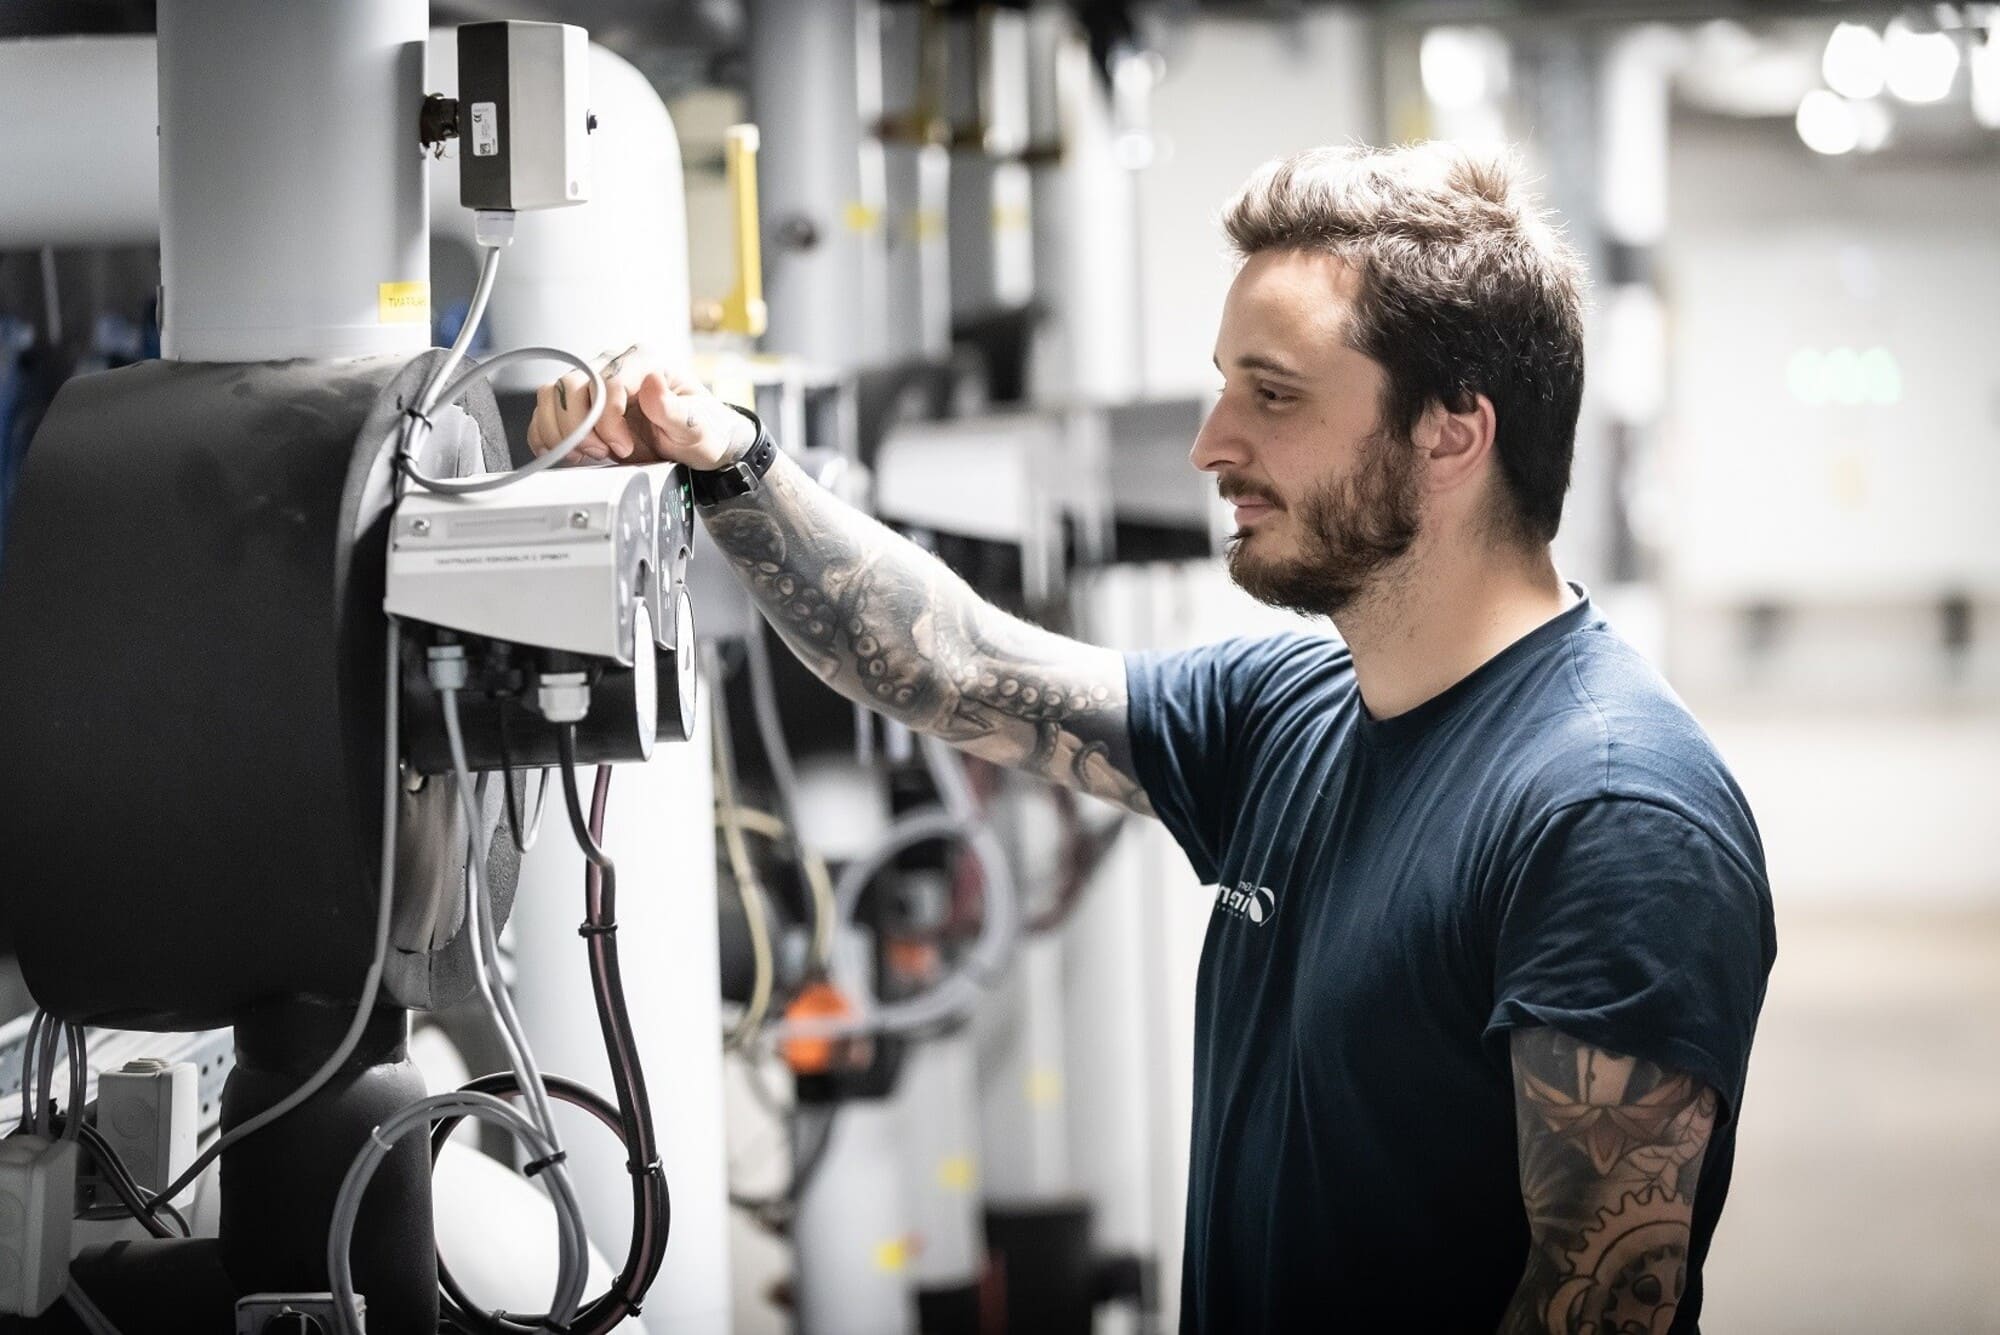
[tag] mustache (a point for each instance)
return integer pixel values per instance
(1239, 489)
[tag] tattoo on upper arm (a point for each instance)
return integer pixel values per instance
(887, 624)
(1610, 1150)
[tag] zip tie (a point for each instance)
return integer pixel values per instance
(646, 1169)
(375, 1134)
(419, 415)
(591, 929)
(550, 1162)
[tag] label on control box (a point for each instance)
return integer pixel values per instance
(485, 129)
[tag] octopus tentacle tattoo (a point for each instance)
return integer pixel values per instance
(888, 625)
(1610, 1149)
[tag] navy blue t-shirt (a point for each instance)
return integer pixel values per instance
(1551, 841)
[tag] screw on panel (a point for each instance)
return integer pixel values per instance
(420, 527)
(579, 519)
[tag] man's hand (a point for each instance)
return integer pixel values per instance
(652, 414)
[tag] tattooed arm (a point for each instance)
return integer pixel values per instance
(1610, 1148)
(876, 618)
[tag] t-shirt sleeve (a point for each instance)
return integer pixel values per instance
(1629, 927)
(1187, 711)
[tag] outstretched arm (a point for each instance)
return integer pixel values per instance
(1610, 1149)
(874, 616)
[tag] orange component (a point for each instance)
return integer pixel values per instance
(815, 1056)
(918, 961)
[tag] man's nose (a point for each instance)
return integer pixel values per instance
(1218, 446)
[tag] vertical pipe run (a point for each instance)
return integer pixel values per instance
(815, 75)
(293, 217)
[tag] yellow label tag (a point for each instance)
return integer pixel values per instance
(1010, 218)
(1044, 1087)
(955, 1173)
(403, 303)
(861, 218)
(891, 1255)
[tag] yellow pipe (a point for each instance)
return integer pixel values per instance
(743, 310)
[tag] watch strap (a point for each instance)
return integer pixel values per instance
(739, 477)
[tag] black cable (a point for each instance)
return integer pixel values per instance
(463, 1313)
(507, 782)
(124, 1186)
(632, 1116)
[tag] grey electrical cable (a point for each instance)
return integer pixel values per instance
(475, 314)
(79, 1087)
(770, 726)
(372, 984)
(87, 1312)
(29, 1046)
(534, 830)
(749, 887)
(563, 448)
(958, 821)
(573, 1268)
(485, 959)
(785, 777)
(45, 1072)
(459, 1103)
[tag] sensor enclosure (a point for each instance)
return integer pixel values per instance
(524, 116)
(554, 561)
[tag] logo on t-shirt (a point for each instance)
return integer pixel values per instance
(1253, 903)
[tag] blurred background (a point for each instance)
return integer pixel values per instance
(991, 272)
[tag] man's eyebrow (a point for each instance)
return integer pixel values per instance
(1258, 362)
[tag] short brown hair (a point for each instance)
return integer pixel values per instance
(1465, 289)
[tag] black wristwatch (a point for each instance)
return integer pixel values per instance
(711, 485)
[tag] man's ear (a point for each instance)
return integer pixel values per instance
(1457, 438)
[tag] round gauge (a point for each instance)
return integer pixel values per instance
(677, 711)
(645, 679)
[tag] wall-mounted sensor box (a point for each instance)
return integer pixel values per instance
(523, 115)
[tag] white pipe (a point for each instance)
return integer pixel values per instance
(292, 206)
(815, 80)
(88, 173)
(939, 1105)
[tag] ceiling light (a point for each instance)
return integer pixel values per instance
(1985, 67)
(1856, 63)
(1827, 123)
(1460, 67)
(1921, 65)
(1872, 124)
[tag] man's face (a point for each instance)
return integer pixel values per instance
(1326, 500)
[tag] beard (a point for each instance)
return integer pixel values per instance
(1352, 528)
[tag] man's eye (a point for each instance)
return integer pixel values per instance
(1270, 395)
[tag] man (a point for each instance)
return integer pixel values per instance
(1493, 928)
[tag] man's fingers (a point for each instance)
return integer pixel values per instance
(542, 434)
(651, 413)
(611, 430)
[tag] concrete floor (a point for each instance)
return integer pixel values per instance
(1867, 1191)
